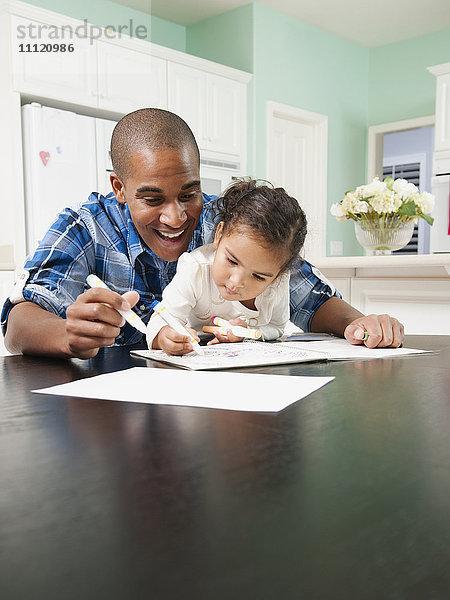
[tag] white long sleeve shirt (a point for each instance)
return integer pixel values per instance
(193, 299)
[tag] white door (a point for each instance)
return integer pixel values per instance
(296, 161)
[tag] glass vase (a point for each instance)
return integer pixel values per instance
(384, 234)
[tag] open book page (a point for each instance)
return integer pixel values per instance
(341, 349)
(242, 354)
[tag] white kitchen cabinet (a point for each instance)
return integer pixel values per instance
(63, 75)
(125, 75)
(422, 305)
(441, 162)
(214, 107)
(439, 232)
(95, 73)
(128, 79)
(106, 76)
(343, 286)
(414, 289)
(440, 183)
(187, 98)
(442, 128)
(225, 115)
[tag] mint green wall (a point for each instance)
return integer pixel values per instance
(400, 87)
(227, 38)
(104, 12)
(296, 64)
(302, 66)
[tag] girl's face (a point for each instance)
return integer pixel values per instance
(242, 267)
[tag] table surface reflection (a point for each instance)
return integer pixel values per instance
(345, 494)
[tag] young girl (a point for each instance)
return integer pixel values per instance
(243, 276)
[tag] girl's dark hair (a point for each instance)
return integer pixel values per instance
(272, 216)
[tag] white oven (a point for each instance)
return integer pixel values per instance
(216, 174)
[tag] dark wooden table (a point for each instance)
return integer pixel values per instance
(345, 494)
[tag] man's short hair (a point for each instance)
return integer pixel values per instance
(148, 128)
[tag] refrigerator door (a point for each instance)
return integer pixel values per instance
(59, 164)
(440, 230)
(103, 132)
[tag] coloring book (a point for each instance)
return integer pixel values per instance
(253, 354)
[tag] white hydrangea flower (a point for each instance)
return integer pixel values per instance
(425, 202)
(352, 197)
(371, 189)
(384, 202)
(361, 207)
(348, 203)
(400, 186)
(411, 190)
(396, 201)
(338, 212)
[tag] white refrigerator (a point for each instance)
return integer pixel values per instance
(66, 157)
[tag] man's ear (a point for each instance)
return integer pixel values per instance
(218, 234)
(118, 188)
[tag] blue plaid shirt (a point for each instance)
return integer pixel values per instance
(99, 237)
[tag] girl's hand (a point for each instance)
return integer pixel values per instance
(173, 342)
(228, 337)
(382, 331)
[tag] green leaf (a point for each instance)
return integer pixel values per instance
(426, 218)
(389, 182)
(408, 209)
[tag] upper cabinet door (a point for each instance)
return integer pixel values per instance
(442, 130)
(226, 111)
(212, 105)
(129, 79)
(46, 62)
(187, 98)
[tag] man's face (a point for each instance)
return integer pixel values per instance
(164, 197)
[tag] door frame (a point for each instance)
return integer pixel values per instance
(375, 141)
(318, 216)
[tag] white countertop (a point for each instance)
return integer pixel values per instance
(397, 265)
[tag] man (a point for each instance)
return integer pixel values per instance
(132, 240)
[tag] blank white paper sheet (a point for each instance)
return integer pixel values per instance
(203, 389)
